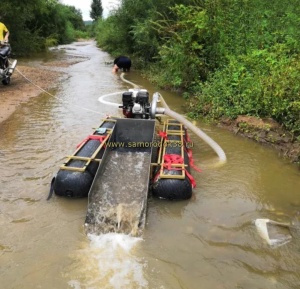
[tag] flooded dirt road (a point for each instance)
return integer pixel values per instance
(209, 241)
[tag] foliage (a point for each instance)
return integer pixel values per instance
(253, 55)
(238, 26)
(235, 56)
(182, 53)
(96, 9)
(36, 24)
(129, 29)
(108, 37)
(264, 83)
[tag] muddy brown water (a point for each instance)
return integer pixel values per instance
(209, 241)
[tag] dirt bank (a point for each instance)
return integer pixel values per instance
(267, 132)
(20, 89)
(27, 82)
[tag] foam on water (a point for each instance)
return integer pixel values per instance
(109, 263)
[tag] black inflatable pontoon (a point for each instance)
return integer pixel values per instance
(172, 178)
(76, 175)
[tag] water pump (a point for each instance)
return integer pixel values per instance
(136, 104)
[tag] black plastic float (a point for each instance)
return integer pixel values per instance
(76, 175)
(172, 178)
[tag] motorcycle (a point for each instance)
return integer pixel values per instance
(6, 67)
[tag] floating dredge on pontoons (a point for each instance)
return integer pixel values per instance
(125, 159)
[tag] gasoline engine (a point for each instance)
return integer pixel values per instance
(136, 104)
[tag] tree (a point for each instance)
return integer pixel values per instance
(37, 24)
(96, 9)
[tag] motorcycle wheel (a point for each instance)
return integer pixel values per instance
(6, 81)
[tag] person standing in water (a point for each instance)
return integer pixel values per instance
(122, 62)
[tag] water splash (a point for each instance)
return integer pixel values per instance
(109, 263)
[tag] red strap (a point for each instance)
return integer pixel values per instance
(170, 159)
(190, 154)
(163, 135)
(192, 164)
(192, 180)
(100, 138)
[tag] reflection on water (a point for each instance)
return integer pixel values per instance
(209, 241)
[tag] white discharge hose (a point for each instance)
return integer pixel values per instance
(127, 81)
(198, 132)
(219, 151)
(193, 128)
(101, 99)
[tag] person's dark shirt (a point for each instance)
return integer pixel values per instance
(123, 62)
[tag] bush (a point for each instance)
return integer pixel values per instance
(264, 83)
